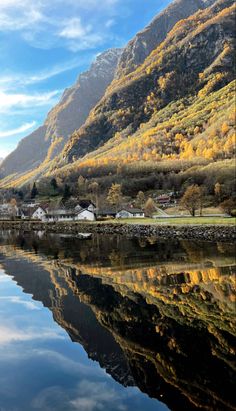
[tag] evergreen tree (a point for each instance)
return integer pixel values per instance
(66, 192)
(54, 184)
(34, 191)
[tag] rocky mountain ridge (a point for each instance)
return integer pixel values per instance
(171, 84)
(68, 115)
(139, 48)
(171, 72)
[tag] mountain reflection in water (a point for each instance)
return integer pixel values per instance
(157, 315)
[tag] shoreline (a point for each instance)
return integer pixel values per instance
(198, 232)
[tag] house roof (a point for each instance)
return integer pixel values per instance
(106, 211)
(85, 203)
(29, 211)
(163, 197)
(66, 214)
(29, 201)
(44, 206)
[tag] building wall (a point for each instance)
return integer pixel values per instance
(127, 214)
(39, 213)
(124, 214)
(85, 215)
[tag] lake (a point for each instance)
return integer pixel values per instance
(98, 322)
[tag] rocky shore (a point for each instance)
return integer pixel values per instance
(191, 232)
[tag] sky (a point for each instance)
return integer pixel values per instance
(46, 44)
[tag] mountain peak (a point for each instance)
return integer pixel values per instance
(68, 115)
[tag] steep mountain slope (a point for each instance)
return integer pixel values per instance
(139, 314)
(175, 110)
(69, 114)
(195, 59)
(148, 39)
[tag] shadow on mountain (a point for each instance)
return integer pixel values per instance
(156, 315)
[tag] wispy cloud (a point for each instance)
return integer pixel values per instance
(10, 334)
(18, 15)
(87, 21)
(80, 36)
(53, 71)
(10, 81)
(9, 101)
(74, 29)
(31, 305)
(19, 130)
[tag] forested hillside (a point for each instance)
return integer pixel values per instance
(195, 59)
(167, 121)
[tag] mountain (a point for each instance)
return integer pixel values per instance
(137, 313)
(195, 60)
(169, 107)
(139, 48)
(68, 115)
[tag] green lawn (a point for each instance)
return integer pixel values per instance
(176, 221)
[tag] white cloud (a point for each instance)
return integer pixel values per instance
(43, 24)
(17, 15)
(31, 305)
(74, 29)
(10, 334)
(97, 396)
(86, 396)
(109, 23)
(53, 71)
(10, 81)
(9, 101)
(4, 152)
(80, 36)
(22, 129)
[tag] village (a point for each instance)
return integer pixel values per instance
(76, 210)
(85, 210)
(115, 206)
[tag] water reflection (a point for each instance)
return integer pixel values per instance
(156, 315)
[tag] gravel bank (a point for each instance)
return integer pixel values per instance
(193, 232)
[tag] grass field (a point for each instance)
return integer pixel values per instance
(176, 221)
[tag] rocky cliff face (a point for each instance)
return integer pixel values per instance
(148, 39)
(140, 313)
(175, 78)
(68, 115)
(201, 44)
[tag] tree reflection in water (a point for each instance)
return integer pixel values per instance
(158, 315)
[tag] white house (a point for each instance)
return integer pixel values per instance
(36, 213)
(130, 213)
(63, 215)
(58, 216)
(85, 205)
(85, 215)
(39, 213)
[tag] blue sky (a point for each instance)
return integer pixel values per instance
(46, 44)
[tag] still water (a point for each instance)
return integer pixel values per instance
(93, 323)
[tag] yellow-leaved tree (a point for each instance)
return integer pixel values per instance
(192, 199)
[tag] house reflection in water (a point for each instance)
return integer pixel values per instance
(155, 314)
